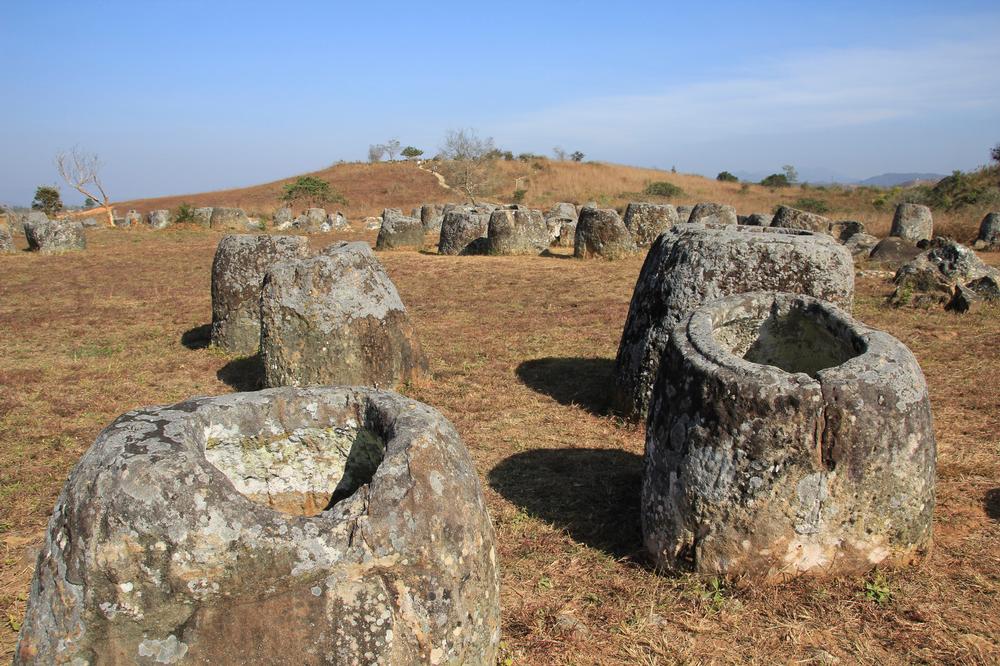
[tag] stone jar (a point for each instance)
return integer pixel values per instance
(691, 264)
(336, 318)
(288, 526)
(786, 438)
(241, 261)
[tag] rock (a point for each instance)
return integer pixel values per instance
(399, 231)
(159, 219)
(336, 318)
(513, 231)
(282, 219)
(786, 438)
(693, 264)
(133, 218)
(759, 220)
(122, 223)
(196, 533)
(912, 222)
(337, 222)
(932, 277)
(567, 235)
(601, 233)
(989, 232)
(203, 216)
(712, 213)
(787, 217)
(861, 245)
(372, 223)
(963, 300)
(460, 227)
(557, 217)
(431, 216)
(312, 220)
(6, 240)
(646, 221)
(843, 230)
(90, 222)
(894, 251)
(229, 219)
(238, 270)
(684, 213)
(54, 236)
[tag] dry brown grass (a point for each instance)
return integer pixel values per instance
(521, 351)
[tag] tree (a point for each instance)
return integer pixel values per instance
(726, 177)
(376, 152)
(577, 156)
(312, 191)
(791, 174)
(392, 148)
(470, 162)
(47, 200)
(776, 180)
(995, 153)
(411, 153)
(82, 172)
(559, 153)
(89, 203)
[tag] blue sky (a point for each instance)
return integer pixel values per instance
(189, 96)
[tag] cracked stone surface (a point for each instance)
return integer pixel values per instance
(786, 438)
(517, 231)
(232, 219)
(912, 222)
(336, 318)
(399, 231)
(787, 217)
(712, 213)
(601, 233)
(162, 549)
(431, 216)
(241, 261)
(646, 221)
(54, 236)
(691, 264)
(464, 229)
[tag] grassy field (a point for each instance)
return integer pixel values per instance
(521, 351)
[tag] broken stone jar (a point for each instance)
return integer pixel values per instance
(299, 526)
(784, 437)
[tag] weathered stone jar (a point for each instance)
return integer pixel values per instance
(287, 526)
(786, 438)
(691, 264)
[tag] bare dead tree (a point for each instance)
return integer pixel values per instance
(470, 162)
(82, 172)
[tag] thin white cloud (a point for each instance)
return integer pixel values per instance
(834, 89)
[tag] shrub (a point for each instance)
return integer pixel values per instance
(744, 188)
(311, 190)
(726, 177)
(961, 189)
(577, 156)
(519, 196)
(776, 180)
(812, 205)
(410, 152)
(663, 189)
(184, 213)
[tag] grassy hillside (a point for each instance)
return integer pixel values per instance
(369, 188)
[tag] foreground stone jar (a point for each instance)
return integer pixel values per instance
(287, 526)
(783, 438)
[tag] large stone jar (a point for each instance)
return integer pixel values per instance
(784, 438)
(288, 526)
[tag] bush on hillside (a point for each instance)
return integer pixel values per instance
(663, 189)
(183, 213)
(812, 205)
(776, 180)
(307, 189)
(726, 177)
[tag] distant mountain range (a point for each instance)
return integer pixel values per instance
(827, 177)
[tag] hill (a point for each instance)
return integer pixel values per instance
(369, 188)
(900, 179)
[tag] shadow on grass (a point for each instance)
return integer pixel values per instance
(591, 493)
(556, 255)
(992, 503)
(586, 382)
(198, 337)
(243, 374)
